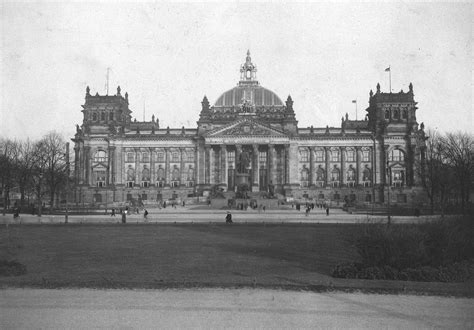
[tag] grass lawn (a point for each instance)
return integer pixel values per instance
(175, 255)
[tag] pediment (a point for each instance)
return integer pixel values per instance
(246, 127)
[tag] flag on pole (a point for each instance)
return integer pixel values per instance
(387, 69)
(354, 101)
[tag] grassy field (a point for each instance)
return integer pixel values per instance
(147, 255)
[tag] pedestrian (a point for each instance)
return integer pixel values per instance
(124, 217)
(228, 217)
(145, 214)
(184, 203)
(264, 207)
(307, 210)
(327, 210)
(113, 213)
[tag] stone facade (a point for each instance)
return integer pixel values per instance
(249, 136)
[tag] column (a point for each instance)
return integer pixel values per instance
(76, 165)
(223, 170)
(311, 166)
(271, 164)
(327, 155)
(182, 178)
(87, 165)
(343, 166)
(111, 166)
(167, 167)
(255, 166)
(208, 164)
(152, 167)
(287, 163)
(358, 169)
(238, 151)
(137, 166)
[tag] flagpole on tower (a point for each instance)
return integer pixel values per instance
(355, 101)
(389, 77)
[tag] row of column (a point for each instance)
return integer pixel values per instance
(116, 168)
(218, 157)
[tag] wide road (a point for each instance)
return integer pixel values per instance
(227, 308)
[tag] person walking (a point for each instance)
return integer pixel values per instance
(113, 213)
(228, 217)
(145, 214)
(327, 210)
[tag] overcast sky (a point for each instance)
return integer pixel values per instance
(168, 56)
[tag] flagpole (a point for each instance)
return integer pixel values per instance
(390, 78)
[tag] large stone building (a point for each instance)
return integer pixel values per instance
(249, 136)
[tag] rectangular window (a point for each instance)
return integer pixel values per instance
(145, 157)
(304, 155)
(319, 156)
(231, 156)
(334, 156)
(190, 156)
(129, 184)
(175, 157)
(366, 156)
(351, 156)
(160, 157)
(130, 157)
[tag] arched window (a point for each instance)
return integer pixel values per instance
(350, 174)
(175, 177)
(130, 174)
(94, 116)
(396, 114)
(190, 174)
(304, 177)
(396, 155)
(405, 114)
(102, 116)
(145, 177)
(161, 173)
(320, 174)
(366, 175)
(111, 116)
(387, 114)
(100, 156)
(145, 174)
(130, 177)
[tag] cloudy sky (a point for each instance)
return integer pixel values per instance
(168, 56)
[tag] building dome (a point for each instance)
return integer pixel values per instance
(254, 94)
(248, 90)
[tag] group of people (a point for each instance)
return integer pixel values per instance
(311, 206)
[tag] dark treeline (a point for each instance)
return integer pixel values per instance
(36, 170)
(448, 171)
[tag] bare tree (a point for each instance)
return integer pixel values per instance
(52, 163)
(7, 167)
(26, 163)
(459, 153)
(435, 171)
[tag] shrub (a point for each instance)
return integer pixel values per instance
(11, 268)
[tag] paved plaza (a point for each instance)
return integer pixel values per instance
(200, 215)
